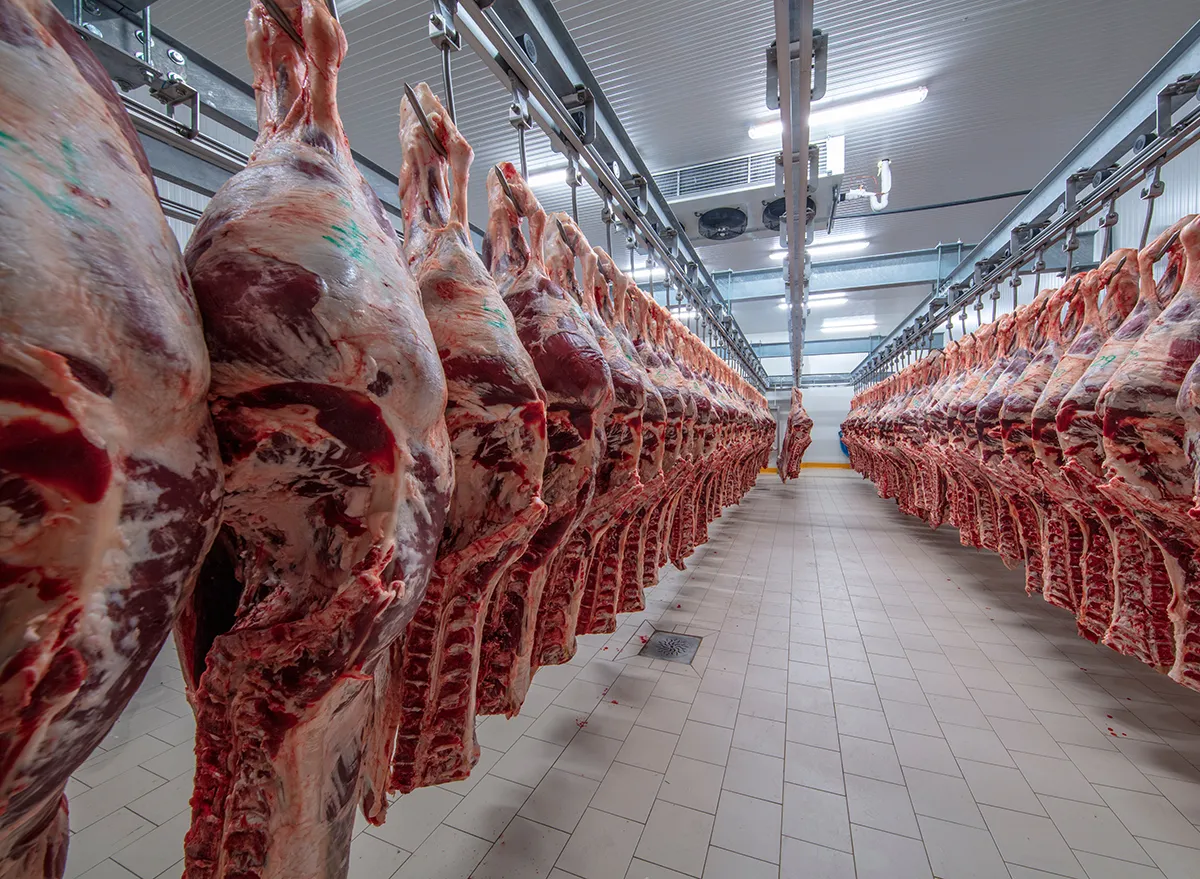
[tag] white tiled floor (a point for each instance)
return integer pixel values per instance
(870, 699)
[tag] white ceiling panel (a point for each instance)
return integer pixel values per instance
(1013, 84)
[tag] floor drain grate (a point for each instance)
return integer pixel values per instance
(671, 646)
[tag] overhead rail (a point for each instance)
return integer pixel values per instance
(1086, 182)
(794, 42)
(180, 153)
(574, 126)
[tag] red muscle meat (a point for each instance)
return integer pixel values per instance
(578, 585)
(496, 416)
(110, 483)
(579, 396)
(796, 438)
(328, 398)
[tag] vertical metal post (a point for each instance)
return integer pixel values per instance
(794, 26)
(448, 81)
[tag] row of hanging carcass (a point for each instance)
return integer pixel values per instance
(797, 438)
(1067, 435)
(373, 486)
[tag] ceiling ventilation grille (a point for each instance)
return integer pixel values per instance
(726, 175)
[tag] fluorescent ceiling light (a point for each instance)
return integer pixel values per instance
(778, 255)
(774, 128)
(867, 107)
(784, 305)
(815, 250)
(826, 300)
(654, 274)
(851, 320)
(686, 314)
(848, 328)
(556, 176)
(872, 106)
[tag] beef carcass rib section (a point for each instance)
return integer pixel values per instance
(496, 415)
(109, 478)
(579, 397)
(329, 404)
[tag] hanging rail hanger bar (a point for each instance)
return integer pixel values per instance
(1144, 114)
(504, 55)
(1181, 136)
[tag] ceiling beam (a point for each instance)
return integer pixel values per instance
(817, 347)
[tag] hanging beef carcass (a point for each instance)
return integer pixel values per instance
(1090, 587)
(630, 552)
(1117, 612)
(109, 478)
(328, 399)
(796, 438)
(496, 416)
(676, 403)
(578, 584)
(1150, 476)
(579, 396)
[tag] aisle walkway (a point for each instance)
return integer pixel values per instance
(870, 700)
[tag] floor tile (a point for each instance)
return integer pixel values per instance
(1001, 786)
(1091, 828)
(871, 759)
(486, 811)
(413, 817)
(527, 761)
(372, 858)
(677, 838)
(880, 805)
(1031, 841)
(1151, 816)
(816, 816)
(601, 847)
(648, 748)
(930, 753)
(715, 710)
(942, 796)
(447, 854)
(560, 800)
(814, 767)
(706, 742)
(812, 729)
(760, 735)
(589, 755)
(665, 715)
(692, 783)
(957, 852)
(628, 791)
(804, 860)
(723, 864)
(880, 855)
(748, 826)
(755, 775)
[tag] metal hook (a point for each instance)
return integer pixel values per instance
(507, 189)
(438, 147)
(285, 23)
(570, 239)
(1116, 271)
